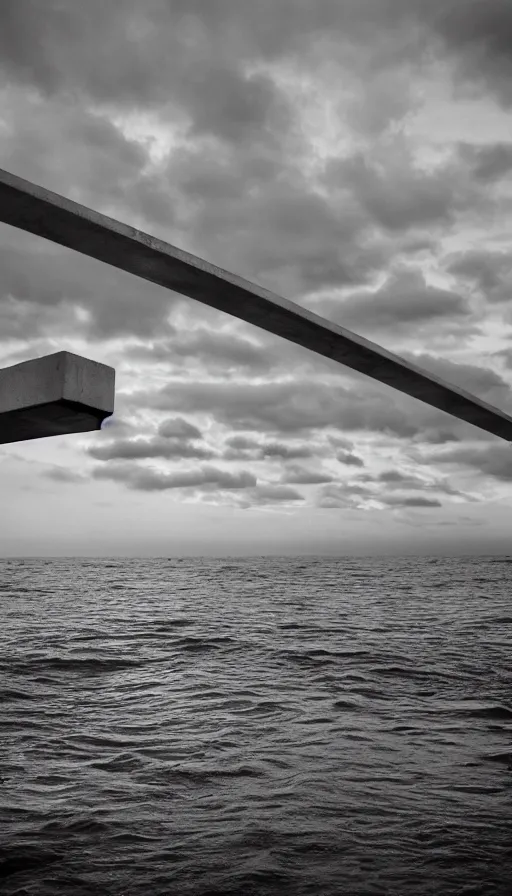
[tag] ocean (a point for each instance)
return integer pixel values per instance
(256, 726)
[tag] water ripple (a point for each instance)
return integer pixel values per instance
(256, 726)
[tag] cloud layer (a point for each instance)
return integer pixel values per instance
(353, 156)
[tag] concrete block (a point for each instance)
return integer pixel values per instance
(55, 395)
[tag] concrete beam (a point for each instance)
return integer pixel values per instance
(32, 208)
(54, 395)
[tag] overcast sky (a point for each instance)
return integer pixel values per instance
(352, 155)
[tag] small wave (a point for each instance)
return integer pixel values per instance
(490, 712)
(82, 825)
(27, 861)
(205, 645)
(169, 625)
(197, 775)
(8, 694)
(505, 758)
(347, 705)
(264, 707)
(124, 762)
(81, 665)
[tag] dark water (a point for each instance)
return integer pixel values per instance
(256, 727)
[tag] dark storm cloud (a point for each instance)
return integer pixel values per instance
(294, 406)
(216, 349)
(299, 406)
(237, 192)
(245, 203)
(69, 148)
(479, 35)
(350, 460)
(488, 163)
(492, 460)
(487, 271)
(276, 231)
(269, 223)
(42, 285)
(161, 55)
(121, 51)
(404, 301)
(505, 355)
(204, 479)
(399, 196)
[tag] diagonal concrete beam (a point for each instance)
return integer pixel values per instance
(55, 395)
(32, 208)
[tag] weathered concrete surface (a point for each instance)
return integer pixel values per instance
(32, 208)
(51, 396)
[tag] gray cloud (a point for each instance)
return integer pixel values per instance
(299, 406)
(399, 196)
(273, 494)
(407, 501)
(482, 381)
(236, 188)
(286, 407)
(404, 302)
(351, 460)
(132, 449)
(204, 479)
(277, 229)
(402, 480)
(479, 35)
(396, 480)
(492, 460)
(63, 474)
(391, 489)
(66, 48)
(488, 163)
(249, 205)
(486, 270)
(343, 495)
(240, 447)
(216, 349)
(178, 428)
(42, 286)
(302, 476)
(117, 426)
(505, 355)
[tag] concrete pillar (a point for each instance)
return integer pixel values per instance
(55, 395)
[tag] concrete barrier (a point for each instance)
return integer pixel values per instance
(51, 396)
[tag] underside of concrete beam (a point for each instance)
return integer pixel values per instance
(55, 395)
(34, 209)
